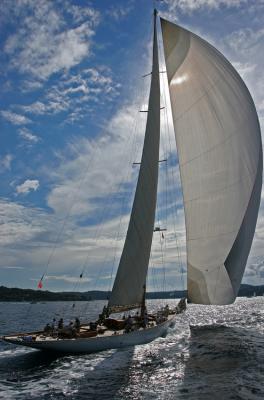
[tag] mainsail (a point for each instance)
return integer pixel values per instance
(220, 156)
(128, 289)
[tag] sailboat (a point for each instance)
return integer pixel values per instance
(220, 159)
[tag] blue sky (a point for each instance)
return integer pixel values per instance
(71, 88)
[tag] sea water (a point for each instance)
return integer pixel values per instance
(212, 353)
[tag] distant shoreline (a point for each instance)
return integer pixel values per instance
(30, 295)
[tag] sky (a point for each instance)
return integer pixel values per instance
(70, 129)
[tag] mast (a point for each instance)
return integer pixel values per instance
(130, 282)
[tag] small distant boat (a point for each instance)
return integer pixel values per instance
(220, 158)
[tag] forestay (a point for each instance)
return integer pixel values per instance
(128, 289)
(220, 156)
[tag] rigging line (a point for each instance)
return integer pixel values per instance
(122, 209)
(123, 201)
(143, 87)
(159, 215)
(145, 200)
(173, 183)
(67, 216)
(100, 226)
(95, 284)
(174, 213)
(128, 170)
(61, 230)
(150, 280)
(147, 170)
(179, 256)
(166, 201)
(143, 94)
(120, 219)
(150, 176)
(154, 273)
(162, 263)
(110, 199)
(166, 198)
(66, 219)
(107, 208)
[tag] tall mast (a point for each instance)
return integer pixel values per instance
(129, 286)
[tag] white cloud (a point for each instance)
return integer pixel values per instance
(193, 5)
(31, 85)
(121, 11)
(44, 55)
(244, 46)
(15, 119)
(5, 162)
(19, 224)
(254, 272)
(27, 186)
(44, 43)
(74, 92)
(28, 236)
(98, 76)
(55, 102)
(80, 14)
(37, 108)
(88, 172)
(77, 89)
(28, 136)
(245, 40)
(244, 69)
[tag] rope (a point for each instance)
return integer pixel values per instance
(173, 177)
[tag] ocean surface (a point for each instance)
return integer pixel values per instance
(212, 353)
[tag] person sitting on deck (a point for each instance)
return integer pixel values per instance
(71, 329)
(77, 324)
(166, 310)
(60, 324)
(68, 331)
(128, 324)
(104, 314)
(53, 326)
(47, 329)
(160, 317)
(145, 319)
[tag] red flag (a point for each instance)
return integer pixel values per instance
(40, 284)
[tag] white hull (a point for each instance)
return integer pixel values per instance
(98, 343)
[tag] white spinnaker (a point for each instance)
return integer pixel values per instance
(220, 155)
(130, 280)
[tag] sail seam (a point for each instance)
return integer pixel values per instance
(223, 189)
(212, 236)
(233, 134)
